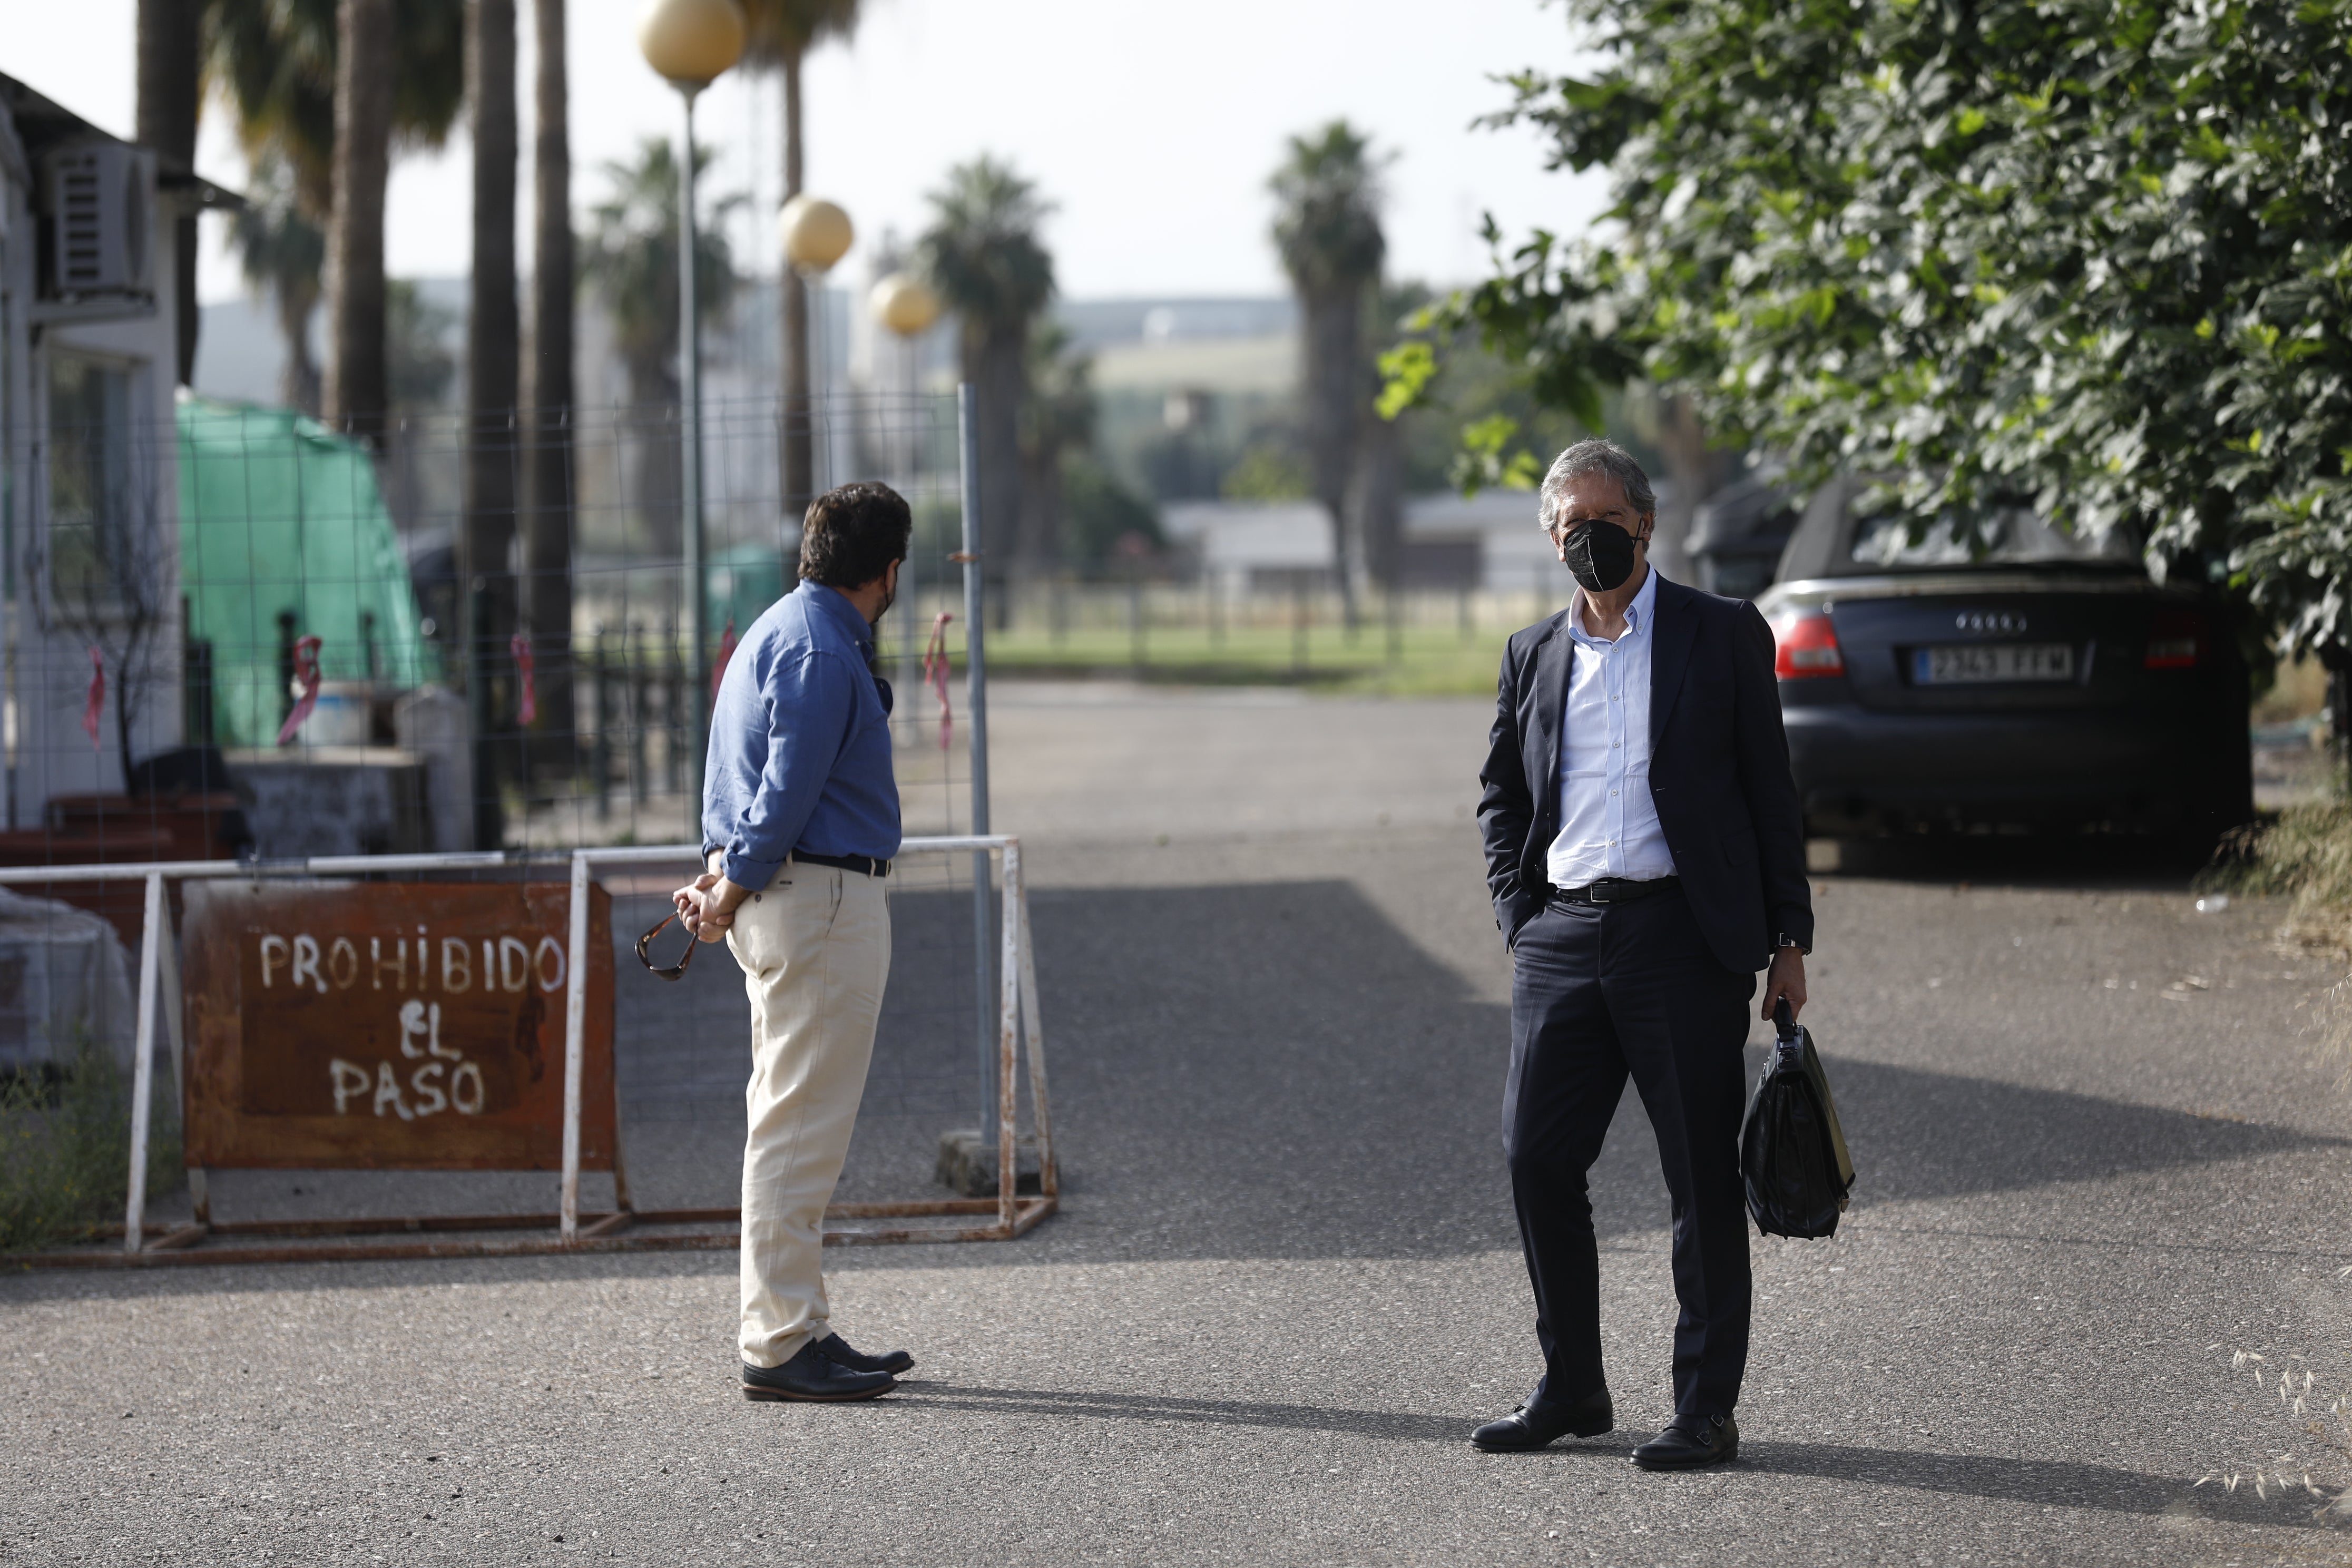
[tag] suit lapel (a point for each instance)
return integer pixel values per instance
(1551, 705)
(1671, 636)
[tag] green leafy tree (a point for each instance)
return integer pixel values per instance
(2096, 257)
(1327, 229)
(983, 253)
(1101, 514)
(418, 359)
(631, 259)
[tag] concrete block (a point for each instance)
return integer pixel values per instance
(432, 723)
(967, 1165)
(334, 800)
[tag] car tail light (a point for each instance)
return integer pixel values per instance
(1805, 645)
(2177, 640)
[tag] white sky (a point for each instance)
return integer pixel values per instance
(1154, 127)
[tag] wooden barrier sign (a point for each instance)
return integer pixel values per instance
(392, 1025)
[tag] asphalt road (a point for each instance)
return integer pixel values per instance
(2101, 1143)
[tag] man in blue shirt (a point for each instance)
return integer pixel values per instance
(800, 818)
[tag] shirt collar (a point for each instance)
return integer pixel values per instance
(844, 613)
(1637, 614)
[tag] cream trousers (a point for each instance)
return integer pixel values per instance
(815, 952)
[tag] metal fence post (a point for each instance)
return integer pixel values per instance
(976, 701)
(143, 1071)
(575, 1030)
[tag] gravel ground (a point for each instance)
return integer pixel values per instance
(2101, 1147)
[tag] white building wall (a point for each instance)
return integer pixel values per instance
(51, 752)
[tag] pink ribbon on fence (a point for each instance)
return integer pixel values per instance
(527, 706)
(305, 676)
(96, 703)
(935, 670)
(726, 652)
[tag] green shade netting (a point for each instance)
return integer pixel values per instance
(278, 512)
(742, 582)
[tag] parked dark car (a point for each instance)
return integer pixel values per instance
(1738, 536)
(2025, 677)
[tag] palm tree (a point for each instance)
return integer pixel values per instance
(170, 96)
(632, 260)
(493, 397)
(782, 33)
(1057, 423)
(277, 62)
(356, 390)
(1376, 492)
(548, 469)
(1328, 234)
(282, 252)
(983, 254)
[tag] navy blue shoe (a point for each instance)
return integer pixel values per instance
(841, 1352)
(811, 1375)
(1536, 1422)
(1690, 1441)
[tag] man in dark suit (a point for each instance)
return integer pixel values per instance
(1646, 853)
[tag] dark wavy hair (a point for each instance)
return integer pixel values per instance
(853, 533)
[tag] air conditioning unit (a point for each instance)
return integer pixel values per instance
(97, 206)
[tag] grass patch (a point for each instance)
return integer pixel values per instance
(1412, 661)
(2304, 857)
(65, 1149)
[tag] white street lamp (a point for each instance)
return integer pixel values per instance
(907, 307)
(691, 44)
(816, 234)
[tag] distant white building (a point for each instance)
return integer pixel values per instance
(89, 496)
(1487, 543)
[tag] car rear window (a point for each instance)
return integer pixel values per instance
(2012, 537)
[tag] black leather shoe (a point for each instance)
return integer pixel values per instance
(1690, 1441)
(1536, 1422)
(811, 1375)
(839, 1352)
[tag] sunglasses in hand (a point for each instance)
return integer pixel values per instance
(645, 951)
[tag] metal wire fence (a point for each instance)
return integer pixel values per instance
(335, 655)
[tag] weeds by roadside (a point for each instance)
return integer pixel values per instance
(2320, 1420)
(2304, 857)
(65, 1149)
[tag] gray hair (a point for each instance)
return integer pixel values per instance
(1595, 456)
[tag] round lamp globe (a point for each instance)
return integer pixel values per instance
(905, 304)
(692, 43)
(815, 233)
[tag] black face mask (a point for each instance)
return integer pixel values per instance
(1599, 555)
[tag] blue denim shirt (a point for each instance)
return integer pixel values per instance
(800, 743)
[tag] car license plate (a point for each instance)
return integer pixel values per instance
(1970, 664)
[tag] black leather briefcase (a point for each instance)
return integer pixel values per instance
(1792, 1152)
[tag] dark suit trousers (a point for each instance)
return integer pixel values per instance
(1598, 992)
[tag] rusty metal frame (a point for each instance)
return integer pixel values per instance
(623, 1230)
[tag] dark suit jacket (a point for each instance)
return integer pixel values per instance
(1719, 773)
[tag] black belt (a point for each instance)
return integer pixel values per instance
(865, 865)
(1613, 890)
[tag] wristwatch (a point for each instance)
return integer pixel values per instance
(1785, 939)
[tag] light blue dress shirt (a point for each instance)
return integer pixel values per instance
(800, 743)
(1608, 823)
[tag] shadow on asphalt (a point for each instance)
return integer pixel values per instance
(2057, 1483)
(2023, 861)
(1280, 1071)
